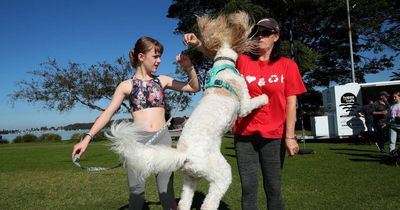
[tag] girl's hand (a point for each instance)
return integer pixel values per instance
(191, 39)
(79, 149)
(184, 60)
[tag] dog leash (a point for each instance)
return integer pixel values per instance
(75, 161)
(92, 168)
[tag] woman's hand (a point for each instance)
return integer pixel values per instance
(292, 146)
(191, 39)
(185, 61)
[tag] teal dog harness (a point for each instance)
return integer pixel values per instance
(212, 80)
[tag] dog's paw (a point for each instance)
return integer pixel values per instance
(244, 112)
(243, 115)
(264, 98)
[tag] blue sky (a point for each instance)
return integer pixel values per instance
(73, 30)
(81, 31)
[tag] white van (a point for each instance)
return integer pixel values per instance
(341, 104)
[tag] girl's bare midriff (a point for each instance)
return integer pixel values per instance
(152, 119)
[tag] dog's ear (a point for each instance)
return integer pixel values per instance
(202, 22)
(213, 32)
(241, 27)
(234, 29)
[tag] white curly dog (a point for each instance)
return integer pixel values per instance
(198, 149)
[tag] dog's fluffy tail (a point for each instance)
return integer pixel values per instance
(142, 159)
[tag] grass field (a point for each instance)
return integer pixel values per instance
(336, 176)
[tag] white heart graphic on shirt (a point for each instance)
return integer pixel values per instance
(250, 79)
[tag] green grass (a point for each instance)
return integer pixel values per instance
(336, 176)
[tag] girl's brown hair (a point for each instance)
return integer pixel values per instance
(143, 45)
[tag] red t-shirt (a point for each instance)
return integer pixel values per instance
(278, 80)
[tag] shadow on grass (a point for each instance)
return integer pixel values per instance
(351, 149)
(230, 155)
(367, 157)
(230, 148)
(197, 201)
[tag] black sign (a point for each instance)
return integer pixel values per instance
(348, 102)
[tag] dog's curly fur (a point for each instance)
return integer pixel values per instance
(198, 150)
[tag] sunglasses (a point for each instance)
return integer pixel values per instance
(264, 33)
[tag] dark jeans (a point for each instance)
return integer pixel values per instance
(255, 151)
(381, 135)
(370, 126)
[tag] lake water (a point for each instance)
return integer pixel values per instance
(65, 135)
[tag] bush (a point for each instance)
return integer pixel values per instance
(50, 137)
(4, 141)
(26, 138)
(18, 139)
(100, 137)
(76, 137)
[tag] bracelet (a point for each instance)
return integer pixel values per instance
(293, 138)
(90, 135)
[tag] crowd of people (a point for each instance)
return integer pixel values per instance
(382, 120)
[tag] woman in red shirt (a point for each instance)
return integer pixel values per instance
(262, 137)
(258, 137)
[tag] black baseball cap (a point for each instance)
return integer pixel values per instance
(384, 93)
(269, 23)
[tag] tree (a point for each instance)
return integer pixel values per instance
(62, 88)
(320, 29)
(395, 76)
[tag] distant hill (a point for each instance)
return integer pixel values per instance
(176, 122)
(86, 126)
(77, 126)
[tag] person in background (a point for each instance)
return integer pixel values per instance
(262, 136)
(394, 122)
(366, 112)
(145, 92)
(380, 112)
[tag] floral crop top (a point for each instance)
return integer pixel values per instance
(146, 94)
